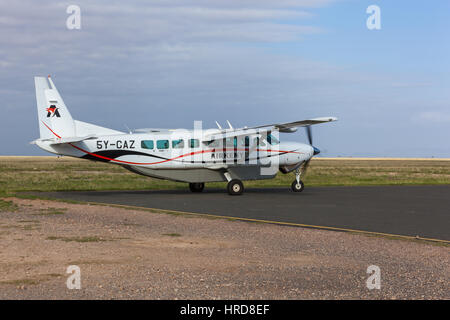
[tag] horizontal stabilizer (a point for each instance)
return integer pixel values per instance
(65, 139)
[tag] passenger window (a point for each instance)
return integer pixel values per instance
(162, 144)
(147, 144)
(194, 143)
(178, 144)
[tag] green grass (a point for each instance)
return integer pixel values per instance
(50, 211)
(172, 234)
(31, 227)
(77, 239)
(19, 174)
(7, 206)
(31, 281)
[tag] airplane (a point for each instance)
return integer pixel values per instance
(194, 156)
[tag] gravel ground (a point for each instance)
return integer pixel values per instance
(132, 254)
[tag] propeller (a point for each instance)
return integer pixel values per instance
(310, 140)
(309, 134)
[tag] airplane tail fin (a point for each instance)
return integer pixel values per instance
(55, 120)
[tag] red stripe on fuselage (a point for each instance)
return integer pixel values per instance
(167, 160)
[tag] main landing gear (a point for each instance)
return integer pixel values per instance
(297, 185)
(235, 187)
(197, 187)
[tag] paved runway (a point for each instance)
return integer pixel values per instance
(402, 210)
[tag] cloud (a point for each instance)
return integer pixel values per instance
(433, 117)
(35, 32)
(166, 63)
(411, 84)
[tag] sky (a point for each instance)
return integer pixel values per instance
(167, 63)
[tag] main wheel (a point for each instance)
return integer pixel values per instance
(235, 187)
(196, 187)
(297, 187)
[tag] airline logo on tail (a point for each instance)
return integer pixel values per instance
(52, 111)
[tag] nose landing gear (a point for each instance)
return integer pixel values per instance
(297, 185)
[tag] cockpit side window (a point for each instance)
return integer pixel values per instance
(259, 142)
(214, 143)
(272, 140)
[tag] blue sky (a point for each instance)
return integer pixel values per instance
(168, 63)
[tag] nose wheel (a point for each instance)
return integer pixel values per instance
(297, 185)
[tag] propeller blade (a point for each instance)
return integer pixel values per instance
(309, 134)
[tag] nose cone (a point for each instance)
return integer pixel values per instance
(316, 151)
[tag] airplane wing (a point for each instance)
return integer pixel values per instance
(282, 127)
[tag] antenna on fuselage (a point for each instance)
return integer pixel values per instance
(229, 124)
(218, 125)
(129, 130)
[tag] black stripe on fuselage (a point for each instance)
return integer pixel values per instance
(113, 154)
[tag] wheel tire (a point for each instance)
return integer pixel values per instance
(297, 187)
(235, 187)
(196, 187)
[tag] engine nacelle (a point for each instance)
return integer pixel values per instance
(290, 168)
(288, 130)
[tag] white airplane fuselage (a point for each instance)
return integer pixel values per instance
(155, 154)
